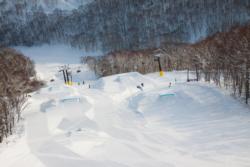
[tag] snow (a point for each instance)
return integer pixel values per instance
(56, 53)
(48, 6)
(123, 85)
(62, 4)
(115, 124)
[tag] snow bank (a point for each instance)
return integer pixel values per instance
(124, 85)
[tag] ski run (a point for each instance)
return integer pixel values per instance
(127, 120)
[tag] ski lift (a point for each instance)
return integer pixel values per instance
(158, 59)
(67, 75)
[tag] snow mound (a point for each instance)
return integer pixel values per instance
(67, 115)
(124, 85)
(77, 124)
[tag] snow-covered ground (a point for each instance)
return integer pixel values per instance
(56, 53)
(115, 124)
(48, 6)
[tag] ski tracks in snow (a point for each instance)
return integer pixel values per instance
(75, 127)
(45, 148)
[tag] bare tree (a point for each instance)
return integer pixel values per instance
(16, 72)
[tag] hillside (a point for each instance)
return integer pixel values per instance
(23, 6)
(128, 24)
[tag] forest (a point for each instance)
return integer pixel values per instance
(112, 25)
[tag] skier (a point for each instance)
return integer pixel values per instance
(139, 87)
(170, 84)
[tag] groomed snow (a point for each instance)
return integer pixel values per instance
(115, 124)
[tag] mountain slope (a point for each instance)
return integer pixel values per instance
(46, 5)
(128, 24)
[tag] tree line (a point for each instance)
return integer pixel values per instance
(225, 59)
(17, 79)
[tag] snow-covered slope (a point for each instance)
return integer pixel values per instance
(50, 5)
(123, 85)
(115, 124)
(57, 53)
(47, 5)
